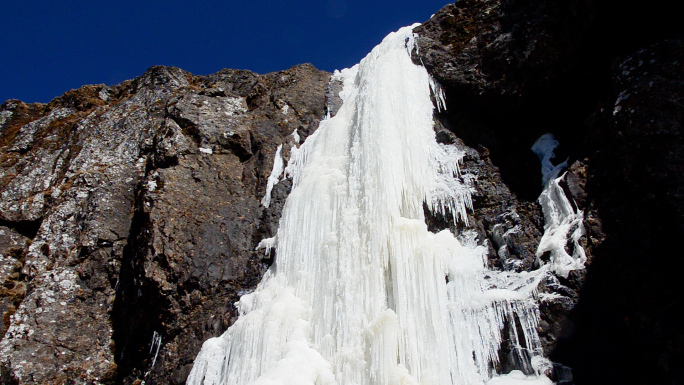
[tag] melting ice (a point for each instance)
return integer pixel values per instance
(361, 292)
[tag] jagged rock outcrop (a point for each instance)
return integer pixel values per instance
(130, 216)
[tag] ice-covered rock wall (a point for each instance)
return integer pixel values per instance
(361, 292)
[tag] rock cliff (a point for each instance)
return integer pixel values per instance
(130, 214)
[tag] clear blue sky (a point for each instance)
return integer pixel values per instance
(50, 47)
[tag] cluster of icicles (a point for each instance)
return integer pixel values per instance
(360, 291)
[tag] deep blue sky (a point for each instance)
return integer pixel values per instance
(50, 47)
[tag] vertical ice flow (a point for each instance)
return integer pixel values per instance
(361, 292)
(274, 178)
(563, 221)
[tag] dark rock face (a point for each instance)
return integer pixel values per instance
(627, 313)
(130, 215)
(605, 79)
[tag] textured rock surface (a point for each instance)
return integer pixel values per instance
(132, 212)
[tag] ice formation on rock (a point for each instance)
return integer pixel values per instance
(563, 221)
(274, 178)
(360, 291)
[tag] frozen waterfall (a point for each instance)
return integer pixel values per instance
(361, 292)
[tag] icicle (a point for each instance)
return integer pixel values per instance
(274, 178)
(155, 344)
(328, 100)
(267, 244)
(438, 94)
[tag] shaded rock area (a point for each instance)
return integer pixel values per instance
(130, 215)
(606, 79)
(627, 315)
